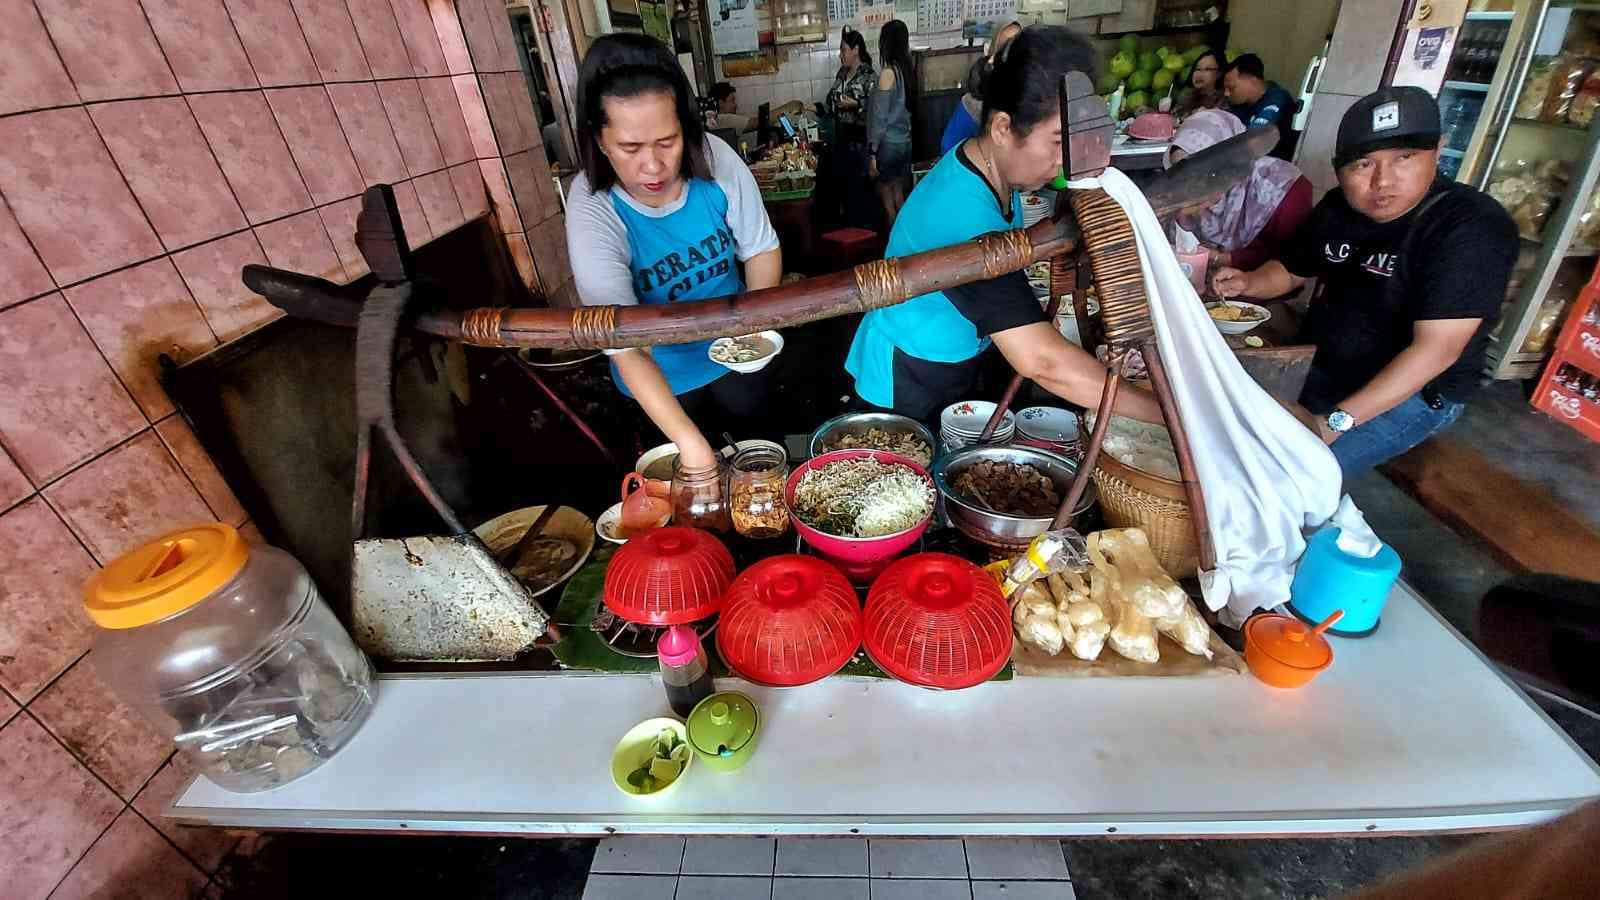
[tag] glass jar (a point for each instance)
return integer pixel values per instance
(700, 496)
(756, 492)
(232, 653)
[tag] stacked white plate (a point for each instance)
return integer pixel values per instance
(1049, 428)
(1036, 206)
(962, 423)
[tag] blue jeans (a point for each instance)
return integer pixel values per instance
(1391, 434)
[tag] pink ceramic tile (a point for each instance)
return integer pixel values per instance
(42, 624)
(527, 113)
(498, 96)
(422, 43)
(159, 148)
(245, 138)
(333, 40)
(22, 275)
(51, 809)
(272, 38)
(306, 118)
(468, 181)
(200, 44)
(110, 737)
(522, 256)
(447, 27)
(475, 112)
(412, 127)
(211, 271)
(197, 464)
(412, 218)
(13, 484)
(501, 202)
(340, 220)
(132, 494)
(445, 110)
(439, 202)
(8, 708)
(380, 38)
(69, 197)
(300, 244)
(31, 74)
(366, 126)
(53, 417)
(206, 847)
(527, 170)
(504, 39)
(477, 23)
(108, 48)
(134, 316)
(131, 860)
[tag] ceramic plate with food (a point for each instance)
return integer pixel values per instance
(1236, 316)
(747, 353)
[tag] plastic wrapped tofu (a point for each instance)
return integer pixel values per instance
(1134, 635)
(1141, 580)
(1042, 632)
(1188, 629)
(1088, 640)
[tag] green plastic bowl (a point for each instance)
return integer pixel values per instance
(722, 730)
(634, 748)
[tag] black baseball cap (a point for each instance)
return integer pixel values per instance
(1387, 118)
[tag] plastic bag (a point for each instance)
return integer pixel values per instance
(1535, 91)
(1565, 80)
(1588, 99)
(1188, 629)
(1134, 635)
(1140, 579)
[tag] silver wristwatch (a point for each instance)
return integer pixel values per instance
(1340, 421)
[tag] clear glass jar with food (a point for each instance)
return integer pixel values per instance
(700, 496)
(232, 653)
(757, 486)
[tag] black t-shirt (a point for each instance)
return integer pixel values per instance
(923, 387)
(1379, 279)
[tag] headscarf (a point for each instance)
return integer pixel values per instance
(1245, 209)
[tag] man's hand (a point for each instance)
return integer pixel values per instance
(1327, 434)
(872, 167)
(1229, 282)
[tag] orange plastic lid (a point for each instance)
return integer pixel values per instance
(165, 576)
(1289, 641)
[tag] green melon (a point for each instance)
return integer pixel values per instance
(1139, 81)
(1149, 61)
(1122, 64)
(1109, 82)
(1128, 43)
(1162, 80)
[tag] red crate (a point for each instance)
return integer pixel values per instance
(1577, 346)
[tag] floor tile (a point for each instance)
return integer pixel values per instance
(1016, 859)
(206, 847)
(822, 856)
(131, 860)
(109, 54)
(367, 128)
(921, 889)
(716, 887)
(42, 625)
(111, 737)
(51, 809)
(821, 889)
(200, 44)
(1023, 890)
(126, 497)
(305, 116)
(422, 42)
(211, 271)
(380, 38)
(639, 855)
(273, 41)
(244, 136)
(31, 75)
(728, 856)
(630, 887)
(917, 859)
(332, 37)
(13, 484)
(22, 275)
(301, 244)
(413, 129)
(197, 464)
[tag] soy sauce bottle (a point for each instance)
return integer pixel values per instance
(683, 669)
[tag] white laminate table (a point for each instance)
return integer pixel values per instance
(1410, 730)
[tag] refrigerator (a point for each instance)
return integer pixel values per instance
(1517, 109)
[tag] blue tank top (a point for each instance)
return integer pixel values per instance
(688, 254)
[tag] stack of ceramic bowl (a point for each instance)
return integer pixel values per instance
(962, 423)
(1049, 428)
(1036, 205)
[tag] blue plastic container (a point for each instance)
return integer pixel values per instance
(1331, 579)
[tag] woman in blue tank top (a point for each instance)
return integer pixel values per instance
(663, 213)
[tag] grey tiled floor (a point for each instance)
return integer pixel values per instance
(827, 869)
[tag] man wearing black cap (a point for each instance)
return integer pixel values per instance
(1412, 270)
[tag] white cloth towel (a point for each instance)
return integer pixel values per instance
(1266, 478)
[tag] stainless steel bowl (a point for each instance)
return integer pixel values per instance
(861, 422)
(992, 528)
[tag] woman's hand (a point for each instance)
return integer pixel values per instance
(872, 166)
(696, 453)
(1229, 282)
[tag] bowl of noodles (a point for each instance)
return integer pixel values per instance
(858, 509)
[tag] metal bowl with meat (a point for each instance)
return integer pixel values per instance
(1005, 496)
(875, 431)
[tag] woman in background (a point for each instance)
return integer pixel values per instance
(889, 133)
(964, 121)
(846, 104)
(1245, 228)
(1205, 85)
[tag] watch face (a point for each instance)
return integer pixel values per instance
(1340, 421)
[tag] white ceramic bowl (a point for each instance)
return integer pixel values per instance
(606, 526)
(1048, 423)
(968, 417)
(654, 454)
(1240, 327)
(754, 365)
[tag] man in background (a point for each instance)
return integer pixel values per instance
(728, 116)
(1257, 101)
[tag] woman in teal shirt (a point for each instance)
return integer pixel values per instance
(922, 355)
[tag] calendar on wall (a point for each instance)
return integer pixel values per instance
(941, 15)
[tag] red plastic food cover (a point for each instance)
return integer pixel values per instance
(938, 621)
(668, 576)
(789, 620)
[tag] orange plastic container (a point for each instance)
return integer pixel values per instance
(642, 510)
(1285, 652)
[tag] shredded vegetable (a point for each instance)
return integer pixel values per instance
(862, 498)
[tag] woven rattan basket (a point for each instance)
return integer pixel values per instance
(1130, 498)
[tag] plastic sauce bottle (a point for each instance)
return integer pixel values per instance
(683, 669)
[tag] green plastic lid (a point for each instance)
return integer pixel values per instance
(723, 723)
(1059, 183)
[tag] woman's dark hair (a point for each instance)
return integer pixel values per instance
(1025, 78)
(894, 49)
(628, 65)
(854, 39)
(1216, 57)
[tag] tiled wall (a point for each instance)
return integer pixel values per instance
(148, 150)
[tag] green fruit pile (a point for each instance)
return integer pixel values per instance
(1146, 75)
